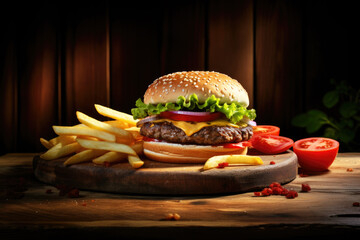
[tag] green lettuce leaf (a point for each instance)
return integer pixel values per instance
(234, 112)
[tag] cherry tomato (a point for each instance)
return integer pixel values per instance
(316, 154)
(271, 144)
(191, 116)
(266, 129)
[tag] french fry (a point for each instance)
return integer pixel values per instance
(118, 124)
(60, 150)
(117, 156)
(109, 146)
(138, 148)
(135, 131)
(83, 156)
(62, 139)
(110, 157)
(111, 113)
(84, 131)
(96, 124)
(135, 161)
(213, 162)
(46, 143)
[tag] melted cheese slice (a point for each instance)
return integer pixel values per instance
(192, 127)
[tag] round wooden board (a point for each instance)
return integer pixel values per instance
(166, 178)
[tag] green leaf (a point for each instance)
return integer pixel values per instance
(314, 125)
(331, 133)
(330, 99)
(234, 112)
(346, 135)
(301, 120)
(348, 109)
(316, 114)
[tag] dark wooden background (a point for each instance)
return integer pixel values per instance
(57, 57)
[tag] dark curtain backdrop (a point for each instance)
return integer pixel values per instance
(57, 57)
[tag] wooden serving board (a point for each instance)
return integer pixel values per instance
(166, 178)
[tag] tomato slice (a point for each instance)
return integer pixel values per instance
(236, 145)
(148, 139)
(266, 129)
(271, 144)
(191, 116)
(316, 154)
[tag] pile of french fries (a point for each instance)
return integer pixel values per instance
(102, 142)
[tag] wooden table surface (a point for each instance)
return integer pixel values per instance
(27, 206)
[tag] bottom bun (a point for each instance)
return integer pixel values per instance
(179, 153)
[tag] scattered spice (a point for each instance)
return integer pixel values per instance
(303, 175)
(272, 163)
(258, 194)
(48, 191)
(305, 187)
(73, 193)
(275, 188)
(349, 170)
(222, 165)
(266, 192)
(284, 191)
(172, 216)
(356, 204)
(68, 191)
(291, 194)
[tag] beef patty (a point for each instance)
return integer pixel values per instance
(206, 136)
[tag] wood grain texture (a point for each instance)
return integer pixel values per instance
(135, 51)
(278, 70)
(36, 77)
(167, 178)
(325, 210)
(85, 60)
(231, 41)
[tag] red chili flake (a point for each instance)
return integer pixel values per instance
(48, 191)
(272, 163)
(356, 204)
(277, 190)
(222, 165)
(305, 187)
(266, 192)
(83, 204)
(349, 170)
(274, 184)
(291, 194)
(303, 175)
(74, 193)
(258, 194)
(68, 191)
(107, 164)
(284, 191)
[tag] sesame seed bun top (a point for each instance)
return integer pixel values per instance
(203, 83)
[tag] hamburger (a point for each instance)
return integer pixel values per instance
(188, 117)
